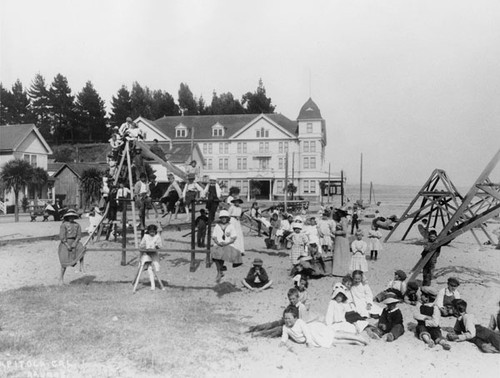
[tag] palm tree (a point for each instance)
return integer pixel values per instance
(15, 175)
(39, 178)
(91, 181)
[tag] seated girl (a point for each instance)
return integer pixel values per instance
(428, 317)
(395, 289)
(337, 309)
(467, 329)
(301, 283)
(363, 297)
(313, 334)
(446, 296)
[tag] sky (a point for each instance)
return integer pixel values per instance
(413, 85)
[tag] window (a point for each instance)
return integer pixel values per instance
(312, 146)
(286, 146)
(283, 147)
(281, 164)
(180, 133)
(309, 128)
(280, 147)
(217, 131)
(241, 163)
(238, 148)
(264, 163)
(306, 146)
(263, 147)
(207, 148)
(244, 145)
(262, 133)
(312, 162)
(244, 189)
(223, 148)
(223, 163)
(279, 186)
(225, 186)
(209, 164)
(306, 162)
(30, 159)
(309, 187)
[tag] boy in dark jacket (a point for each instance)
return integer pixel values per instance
(390, 324)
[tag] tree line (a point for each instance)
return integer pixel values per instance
(63, 117)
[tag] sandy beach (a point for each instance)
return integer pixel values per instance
(36, 264)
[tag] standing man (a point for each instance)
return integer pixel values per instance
(212, 193)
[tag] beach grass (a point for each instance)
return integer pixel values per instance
(100, 325)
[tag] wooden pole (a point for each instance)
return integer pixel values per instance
(286, 180)
(134, 219)
(329, 182)
(192, 267)
(341, 188)
(371, 189)
(124, 232)
(293, 171)
(361, 179)
(208, 258)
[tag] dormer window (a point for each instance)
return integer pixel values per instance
(180, 131)
(217, 130)
(309, 128)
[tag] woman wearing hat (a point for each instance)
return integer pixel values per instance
(224, 237)
(70, 249)
(341, 249)
(235, 212)
(257, 278)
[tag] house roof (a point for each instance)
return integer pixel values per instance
(11, 136)
(79, 168)
(309, 111)
(202, 125)
(179, 153)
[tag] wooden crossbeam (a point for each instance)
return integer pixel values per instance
(131, 249)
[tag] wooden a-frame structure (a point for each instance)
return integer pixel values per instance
(440, 200)
(481, 203)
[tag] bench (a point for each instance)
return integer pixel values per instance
(35, 214)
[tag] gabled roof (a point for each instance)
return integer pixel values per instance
(202, 125)
(11, 136)
(79, 168)
(264, 116)
(180, 153)
(309, 111)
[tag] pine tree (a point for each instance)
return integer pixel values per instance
(40, 105)
(163, 105)
(6, 105)
(121, 106)
(21, 110)
(141, 101)
(90, 114)
(225, 104)
(61, 103)
(257, 102)
(187, 102)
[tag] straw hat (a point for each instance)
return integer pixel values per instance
(71, 214)
(224, 214)
(258, 262)
(390, 300)
(297, 225)
(237, 200)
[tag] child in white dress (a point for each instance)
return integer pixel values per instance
(151, 259)
(358, 250)
(363, 297)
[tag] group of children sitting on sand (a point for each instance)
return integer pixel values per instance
(353, 313)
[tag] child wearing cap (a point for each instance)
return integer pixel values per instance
(467, 329)
(446, 295)
(395, 289)
(151, 241)
(390, 324)
(428, 317)
(358, 250)
(257, 278)
(298, 241)
(201, 228)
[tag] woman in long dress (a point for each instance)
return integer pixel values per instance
(341, 250)
(224, 237)
(235, 212)
(70, 249)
